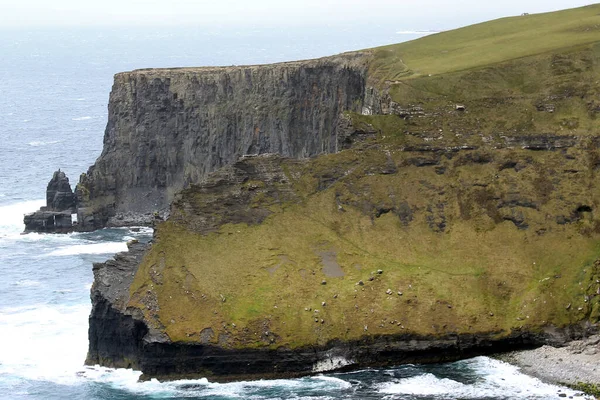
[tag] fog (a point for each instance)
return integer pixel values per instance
(409, 14)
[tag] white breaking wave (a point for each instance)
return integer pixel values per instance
(82, 118)
(94, 248)
(38, 143)
(141, 231)
(27, 283)
(331, 363)
(43, 342)
(128, 380)
(497, 377)
(11, 216)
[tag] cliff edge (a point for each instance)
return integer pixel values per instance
(168, 128)
(421, 202)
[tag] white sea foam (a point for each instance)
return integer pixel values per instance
(127, 380)
(82, 118)
(140, 231)
(11, 216)
(43, 342)
(93, 248)
(496, 377)
(331, 363)
(38, 143)
(27, 283)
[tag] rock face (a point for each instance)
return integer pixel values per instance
(55, 217)
(59, 195)
(169, 128)
(421, 231)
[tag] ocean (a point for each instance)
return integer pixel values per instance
(54, 87)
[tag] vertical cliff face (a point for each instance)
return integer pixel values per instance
(169, 128)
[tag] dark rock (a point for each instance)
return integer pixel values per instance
(349, 135)
(189, 122)
(55, 217)
(59, 195)
(48, 222)
(423, 161)
(541, 142)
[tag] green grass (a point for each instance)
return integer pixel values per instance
(587, 388)
(487, 43)
(507, 72)
(479, 274)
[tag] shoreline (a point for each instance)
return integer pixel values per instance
(576, 365)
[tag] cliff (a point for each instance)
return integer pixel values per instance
(169, 128)
(450, 208)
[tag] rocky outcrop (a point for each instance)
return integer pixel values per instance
(59, 195)
(55, 217)
(115, 336)
(168, 128)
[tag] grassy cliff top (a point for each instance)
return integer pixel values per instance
(532, 74)
(488, 43)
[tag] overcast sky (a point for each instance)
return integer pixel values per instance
(409, 14)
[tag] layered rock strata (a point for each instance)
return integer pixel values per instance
(168, 128)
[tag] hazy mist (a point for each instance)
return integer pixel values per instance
(409, 14)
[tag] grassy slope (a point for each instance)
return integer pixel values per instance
(479, 273)
(488, 43)
(503, 71)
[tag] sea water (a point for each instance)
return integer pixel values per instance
(54, 88)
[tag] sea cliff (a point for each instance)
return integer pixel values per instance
(168, 128)
(368, 209)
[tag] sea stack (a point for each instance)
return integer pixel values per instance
(55, 217)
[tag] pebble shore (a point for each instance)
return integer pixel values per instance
(577, 362)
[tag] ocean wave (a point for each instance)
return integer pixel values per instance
(496, 377)
(27, 283)
(43, 342)
(37, 143)
(11, 216)
(318, 387)
(93, 248)
(140, 231)
(82, 118)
